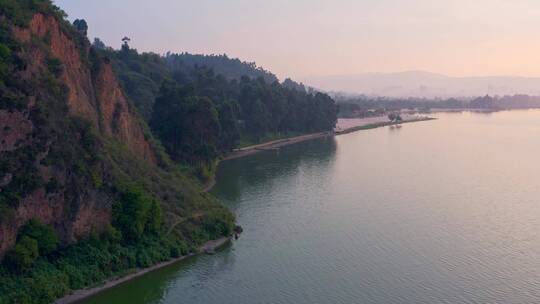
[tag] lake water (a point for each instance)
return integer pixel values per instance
(444, 211)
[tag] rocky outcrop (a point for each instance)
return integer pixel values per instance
(93, 90)
(117, 114)
(92, 213)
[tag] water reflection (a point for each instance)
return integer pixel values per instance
(270, 167)
(394, 128)
(233, 178)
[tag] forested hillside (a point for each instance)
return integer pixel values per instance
(199, 114)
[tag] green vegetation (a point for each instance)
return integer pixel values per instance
(34, 240)
(157, 212)
(70, 143)
(85, 264)
(220, 64)
(188, 126)
(209, 115)
(365, 106)
(23, 255)
(201, 107)
(21, 11)
(46, 238)
(136, 215)
(36, 270)
(81, 26)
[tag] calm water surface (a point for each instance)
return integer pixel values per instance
(445, 211)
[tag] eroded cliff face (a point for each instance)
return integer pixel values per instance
(86, 209)
(118, 115)
(92, 92)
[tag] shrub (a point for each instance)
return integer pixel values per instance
(54, 66)
(218, 224)
(136, 213)
(46, 238)
(154, 218)
(23, 255)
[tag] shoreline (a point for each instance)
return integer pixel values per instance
(211, 246)
(267, 146)
(81, 294)
(276, 144)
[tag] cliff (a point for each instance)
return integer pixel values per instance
(69, 135)
(93, 91)
(93, 94)
(86, 192)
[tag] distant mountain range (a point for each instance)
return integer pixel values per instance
(425, 84)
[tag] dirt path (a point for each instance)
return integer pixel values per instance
(273, 145)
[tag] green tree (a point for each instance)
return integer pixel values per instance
(125, 43)
(168, 114)
(23, 255)
(81, 26)
(394, 117)
(155, 218)
(45, 236)
(228, 113)
(99, 44)
(187, 125)
(136, 213)
(202, 128)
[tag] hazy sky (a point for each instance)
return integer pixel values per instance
(327, 37)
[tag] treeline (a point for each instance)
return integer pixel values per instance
(199, 114)
(365, 106)
(506, 102)
(232, 68)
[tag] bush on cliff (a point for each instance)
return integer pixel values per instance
(34, 240)
(23, 255)
(46, 238)
(137, 214)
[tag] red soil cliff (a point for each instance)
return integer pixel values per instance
(94, 93)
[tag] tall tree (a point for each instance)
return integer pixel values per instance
(81, 26)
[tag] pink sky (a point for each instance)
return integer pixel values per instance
(301, 38)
